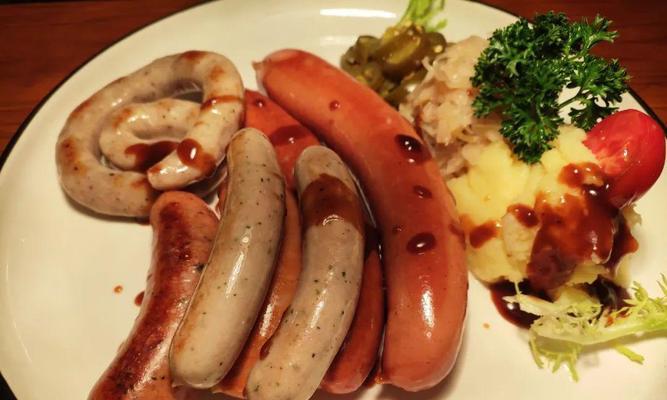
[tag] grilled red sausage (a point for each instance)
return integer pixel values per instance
(279, 297)
(183, 232)
(289, 138)
(313, 329)
(287, 135)
(359, 352)
(423, 251)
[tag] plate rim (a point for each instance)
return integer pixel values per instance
(5, 388)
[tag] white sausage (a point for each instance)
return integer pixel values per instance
(157, 127)
(310, 334)
(236, 278)
(142, 125)
(105, 190)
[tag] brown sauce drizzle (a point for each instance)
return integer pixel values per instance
(146, 155)
(511, 311)
(288, 134)
(139, 299)
(524, 214)
(219, 100)
(575, 229)
(191, 154)
(483, 233)
(610, 295)
(421, 243)
(412, 149)
(327, 199)
(422, 192)
(578, 227)
(624, 243)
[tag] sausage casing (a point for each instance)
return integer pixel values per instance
(278, 299)
(360, 350)
(289, 138)
(297, 357)
(286, 134)
(422, 247)
(90, 182)
(183, 232)
(236, 278)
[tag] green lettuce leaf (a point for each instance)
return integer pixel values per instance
(565, 328)
(423, 12)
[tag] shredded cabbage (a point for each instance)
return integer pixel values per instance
(564, 328)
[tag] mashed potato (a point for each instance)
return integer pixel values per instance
(496, 180)
(492, 188)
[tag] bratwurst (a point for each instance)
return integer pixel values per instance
(237, 276)
(87, 179)
(297, 357)
(183, 232)
(422, 242)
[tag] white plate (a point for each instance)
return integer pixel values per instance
(60, 320)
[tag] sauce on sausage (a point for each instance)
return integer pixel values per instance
(145, 155)
(421, 243)
(288, 135)
(422, 192)
(412, 149)
(191, 154)
(139, 299)
(327, 199)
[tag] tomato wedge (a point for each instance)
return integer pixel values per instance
(630, 147)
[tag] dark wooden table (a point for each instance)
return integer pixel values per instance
(41, 43)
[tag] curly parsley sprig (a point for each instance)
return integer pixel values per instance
(525, 69)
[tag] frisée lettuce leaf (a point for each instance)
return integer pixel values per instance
(565, 328)
(423, 13)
